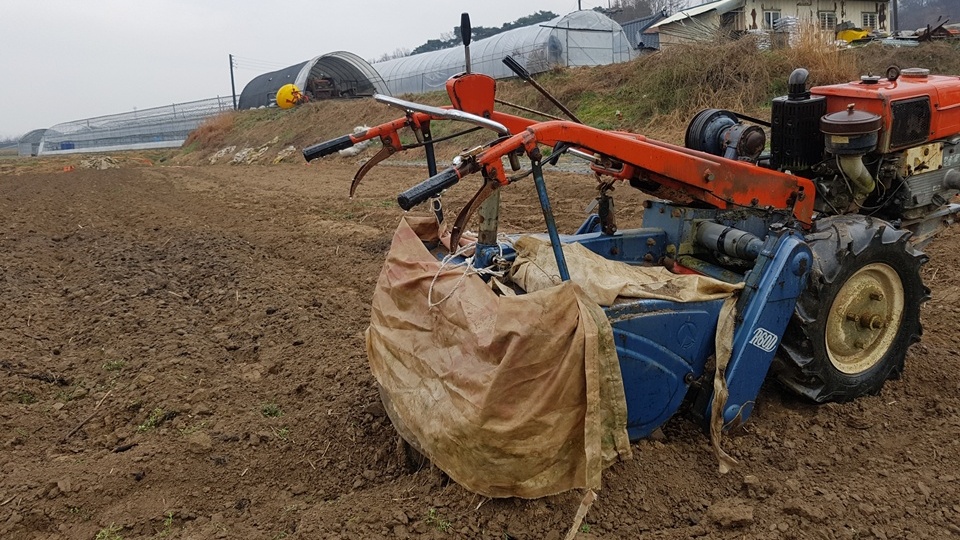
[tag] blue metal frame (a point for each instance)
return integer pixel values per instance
(663, 346)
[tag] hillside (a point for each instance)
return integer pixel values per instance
(655, 95)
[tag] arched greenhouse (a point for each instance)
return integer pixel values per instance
(337, 74)
(29, 144)
(581, 38)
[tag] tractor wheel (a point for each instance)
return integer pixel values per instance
(859, 313)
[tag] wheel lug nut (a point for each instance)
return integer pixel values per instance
(859, 345)
(876, 296)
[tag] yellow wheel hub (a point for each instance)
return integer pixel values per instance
(864, 318)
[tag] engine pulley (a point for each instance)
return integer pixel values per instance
(720, 132)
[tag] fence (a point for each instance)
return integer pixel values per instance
(158, 127)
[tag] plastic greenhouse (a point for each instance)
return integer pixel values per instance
(581, 38)
(29, 144)
(158, 127)
(337, 74)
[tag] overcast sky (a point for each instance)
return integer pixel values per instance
(63, 60)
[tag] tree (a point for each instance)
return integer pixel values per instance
(669, 6)
(448, 40)
(399, 52)
(624, 11)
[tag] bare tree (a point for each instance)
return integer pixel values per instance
(915, 14)
(627, 10)
(399, 52)
(669, 6)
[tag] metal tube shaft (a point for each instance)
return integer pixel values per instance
(551, 222)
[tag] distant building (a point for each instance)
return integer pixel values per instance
(736, 17)
(635, 31)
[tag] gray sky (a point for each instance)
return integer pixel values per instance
(63, 60)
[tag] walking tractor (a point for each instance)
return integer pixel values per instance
(804, 254)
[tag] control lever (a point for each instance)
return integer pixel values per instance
(525, 75)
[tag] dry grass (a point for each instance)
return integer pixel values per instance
(211, 133)
(669, 87)
(940, 57)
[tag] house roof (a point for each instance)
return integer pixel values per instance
(720, 6)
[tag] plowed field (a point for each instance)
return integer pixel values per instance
(182, 356)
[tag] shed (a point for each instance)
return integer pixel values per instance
(581, 38)
(635, 31)
(699, 22)
(337, 74)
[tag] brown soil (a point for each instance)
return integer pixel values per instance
(182, 356)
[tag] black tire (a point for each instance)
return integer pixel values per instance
(859, 313)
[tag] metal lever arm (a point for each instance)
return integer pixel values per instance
(525, 75)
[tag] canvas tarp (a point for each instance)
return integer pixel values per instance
(511, 396)
(604, 280)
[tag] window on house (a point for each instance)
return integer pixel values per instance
(828, 20)
(869, 21)
(769, 18)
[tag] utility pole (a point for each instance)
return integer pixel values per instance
(233, 88)
(894, 17)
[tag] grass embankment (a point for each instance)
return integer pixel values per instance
(654, 94)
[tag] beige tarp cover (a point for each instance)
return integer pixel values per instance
(604, 280)
(511, 396)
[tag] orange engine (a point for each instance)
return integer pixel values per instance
(883, 146)
(916, 107)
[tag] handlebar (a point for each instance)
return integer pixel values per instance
(326, 148)
(431, 187)
(437, 112)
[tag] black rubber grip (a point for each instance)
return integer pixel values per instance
(431, 187)
(311, 153)
(516, 68)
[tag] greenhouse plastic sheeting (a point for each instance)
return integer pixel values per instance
(511, 396)
(581, 38)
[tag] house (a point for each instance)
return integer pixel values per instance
(735, 17)
(635, 31)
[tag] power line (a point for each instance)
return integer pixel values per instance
(240, 61)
